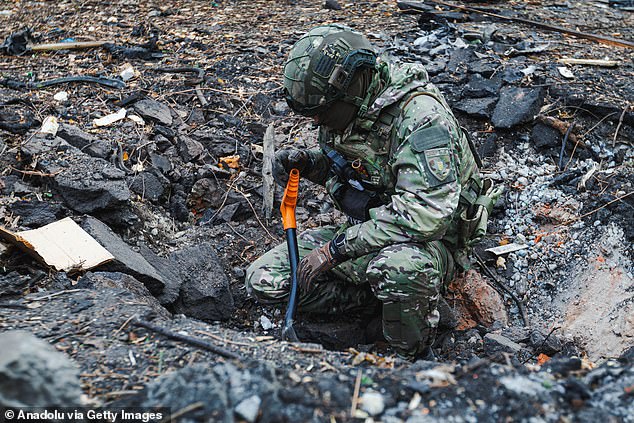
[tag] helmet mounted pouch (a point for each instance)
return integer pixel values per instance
(343, 73)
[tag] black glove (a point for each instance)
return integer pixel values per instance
(285, 160)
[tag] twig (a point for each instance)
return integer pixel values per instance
(597, 124)
(355, 395)
(13, 306)
(256, 215)
(594, 37)
(520, 304)
(37, 173)
(55, 294)
(123, 325)
(597, 209)
(200, 77)
(120, 393)
(183, 411)
(188, 340)
(618, 127)
(237, 233)
(107, 82)
(541, 345)
(225, 340)
(563, 146)
(307, 350)
(268, 184)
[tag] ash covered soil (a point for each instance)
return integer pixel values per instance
(174, 191)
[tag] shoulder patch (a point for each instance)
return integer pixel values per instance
(432, 137)
(438, 166)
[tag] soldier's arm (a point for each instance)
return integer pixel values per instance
(427, 190)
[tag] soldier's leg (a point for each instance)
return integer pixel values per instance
(342, 289)
(408, 278)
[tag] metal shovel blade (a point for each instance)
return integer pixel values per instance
(288, 333)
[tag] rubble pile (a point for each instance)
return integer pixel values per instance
(153, 144)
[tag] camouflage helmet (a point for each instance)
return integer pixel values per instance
(321, 65)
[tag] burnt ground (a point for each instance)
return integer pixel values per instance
(185, 216)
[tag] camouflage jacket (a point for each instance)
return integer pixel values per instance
(414, 161)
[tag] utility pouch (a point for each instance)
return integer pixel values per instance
(473, 220)
(357, 204)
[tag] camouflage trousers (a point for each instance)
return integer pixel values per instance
(406, 278)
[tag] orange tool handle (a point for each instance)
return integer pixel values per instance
(289, 201)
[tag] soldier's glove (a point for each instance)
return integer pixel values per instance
(320, 260)
(285, 160)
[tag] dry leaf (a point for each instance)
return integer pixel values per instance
(230, 161)
(542, 358)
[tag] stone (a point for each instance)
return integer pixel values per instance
(205, 292)
(84, 141)
(11, 184)
(34, 374)
(517, 334)
(223, 389)
(160, 162)
(516, 106)
(485, 67)
(35, 213)
(488, 147)
(494, 344)
(522, 386)
(481, 87)
(248, 409)
(476, 301)
(126, 259)
(84, 193)
(101, 280)
(206, 193)
(87, 184)
(545, 137)
(148, 184)
(372, 403)
(332, 5)
(542, 344)
(562, 365)
(13, 283)
(169, 273)
(332, 335)
(218, 144)
(477, 107)
(154, 111)
(459, 60)
(189, 149)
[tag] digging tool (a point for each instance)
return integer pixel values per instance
(289, 201)
(22, 42)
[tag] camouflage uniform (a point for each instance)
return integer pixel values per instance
(424, 212)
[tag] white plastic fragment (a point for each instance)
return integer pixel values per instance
(131, 357)
(372, 403)
(61, 96)
(266, 322)
(49, 126)
(565, 72)
(110, 119)
(136, 119)
(508, 248)
(249, 408)
(128, 73)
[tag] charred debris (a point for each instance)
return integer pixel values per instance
(149, 144)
